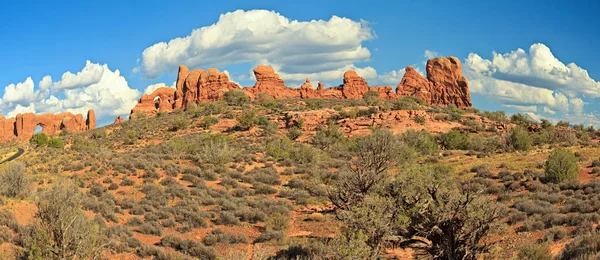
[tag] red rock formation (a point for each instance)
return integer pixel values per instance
(181, 76)
(23, 126)
(213, 85)
(269, 82)
(445, 83)
(354, 86)
(202, 85)
(91, 119)
(307, 91)
(119, 120)
(385, 92)
(413, 84)
(160, 100)
(448, 83)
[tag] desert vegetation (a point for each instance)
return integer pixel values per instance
(239, 179)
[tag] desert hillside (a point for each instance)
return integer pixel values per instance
(304, 179)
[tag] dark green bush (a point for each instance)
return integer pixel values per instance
(561, 166)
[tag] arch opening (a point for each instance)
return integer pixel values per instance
(38, 129)
(157, 102)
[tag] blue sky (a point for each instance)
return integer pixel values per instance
(530, 73)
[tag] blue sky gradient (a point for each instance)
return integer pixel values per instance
(51, 38)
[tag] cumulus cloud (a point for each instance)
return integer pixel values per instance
(317, 47)
(538, 68)
(153, 87)
(90, 74)
(523, 80)
(534, 78)
(94, 87)
(430, 54)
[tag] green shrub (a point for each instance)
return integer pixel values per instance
(534, 251)
(407, 103)
(56, 143)
(419, 120)
(236, 97)
(180, 124)
(209, 121)
(247, 119)
(520, 139)
(39, 140)
(454, 140)
(294, 133)
(371, 98)
(561, 166)
(314, 104)
(422, 141)
(498, 116)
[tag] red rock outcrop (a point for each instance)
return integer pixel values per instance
(23, 126)
(181, 76)
(444, 85)
(202, 85)
(119, 120)
(269, 82)
(162, 99)
(354, 86)
(91, 119)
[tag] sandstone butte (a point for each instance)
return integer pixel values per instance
(444, 85)
(23, 126)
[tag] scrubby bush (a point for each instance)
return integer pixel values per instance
(534, 251)
(371, 98)
(61, 230)
(13, 182)
(294, 133)
(422, 141)
(561, 166)
(520, 139)
(407, 103)
(236, 97)
(180, 124)
(56, 143)
(39, 140)
(247, 119)
(454, 140)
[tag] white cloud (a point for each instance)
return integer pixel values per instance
(538, 68)
(91, 74)
(109, 95)
(521, 108)
(430, 54)
(153, 87)
(547, 110)
(318, 48)
(20, 93)
(534, 79)
(21, 110)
